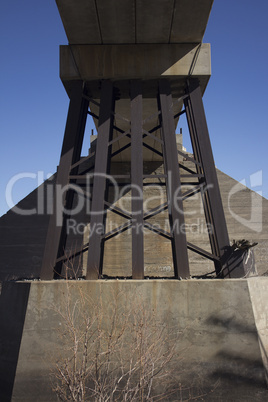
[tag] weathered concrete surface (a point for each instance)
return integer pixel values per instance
(217, 346)
(129, 21)
(150, 62)
(13, 307)
(258, 288)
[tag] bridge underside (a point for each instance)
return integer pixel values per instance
(134, 21)
(129, 39)
(135, 68)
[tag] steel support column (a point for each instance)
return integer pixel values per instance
(137, 181)
(71, 150)
(213, 208)
(97, 221)
(173, 183)
(205, 173)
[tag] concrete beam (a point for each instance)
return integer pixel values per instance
(121, 63)
(92, 63)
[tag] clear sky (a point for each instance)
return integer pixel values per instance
(33, 102)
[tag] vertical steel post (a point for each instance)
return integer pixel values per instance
(137, 181)
(173, 182)
(97, 221)
(214, 213)
(71, 150)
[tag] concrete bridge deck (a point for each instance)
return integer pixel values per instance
(124, 40)
(134, 21)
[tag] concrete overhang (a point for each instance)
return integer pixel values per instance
(148, 62)
(134, 21)
(122, 40)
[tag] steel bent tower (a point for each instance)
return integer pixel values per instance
(136, 67)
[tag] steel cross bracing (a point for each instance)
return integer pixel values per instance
(205, 174)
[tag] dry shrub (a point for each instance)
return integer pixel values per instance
(115, 350)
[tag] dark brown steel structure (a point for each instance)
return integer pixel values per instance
(205, 180)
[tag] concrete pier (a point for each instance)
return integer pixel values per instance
(220, 327)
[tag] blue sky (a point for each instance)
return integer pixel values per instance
(33, 102)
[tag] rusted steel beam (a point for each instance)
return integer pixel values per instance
(159, 231)
(70, 154)
(120, 229)
(137, 180)
(202, 252)
(173, 183)
(213, 208)
(97, 221)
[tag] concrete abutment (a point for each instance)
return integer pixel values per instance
(220, 327)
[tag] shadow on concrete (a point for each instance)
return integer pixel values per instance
(265, 359)
(232, 325)
(13, 306)
(245, 371)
